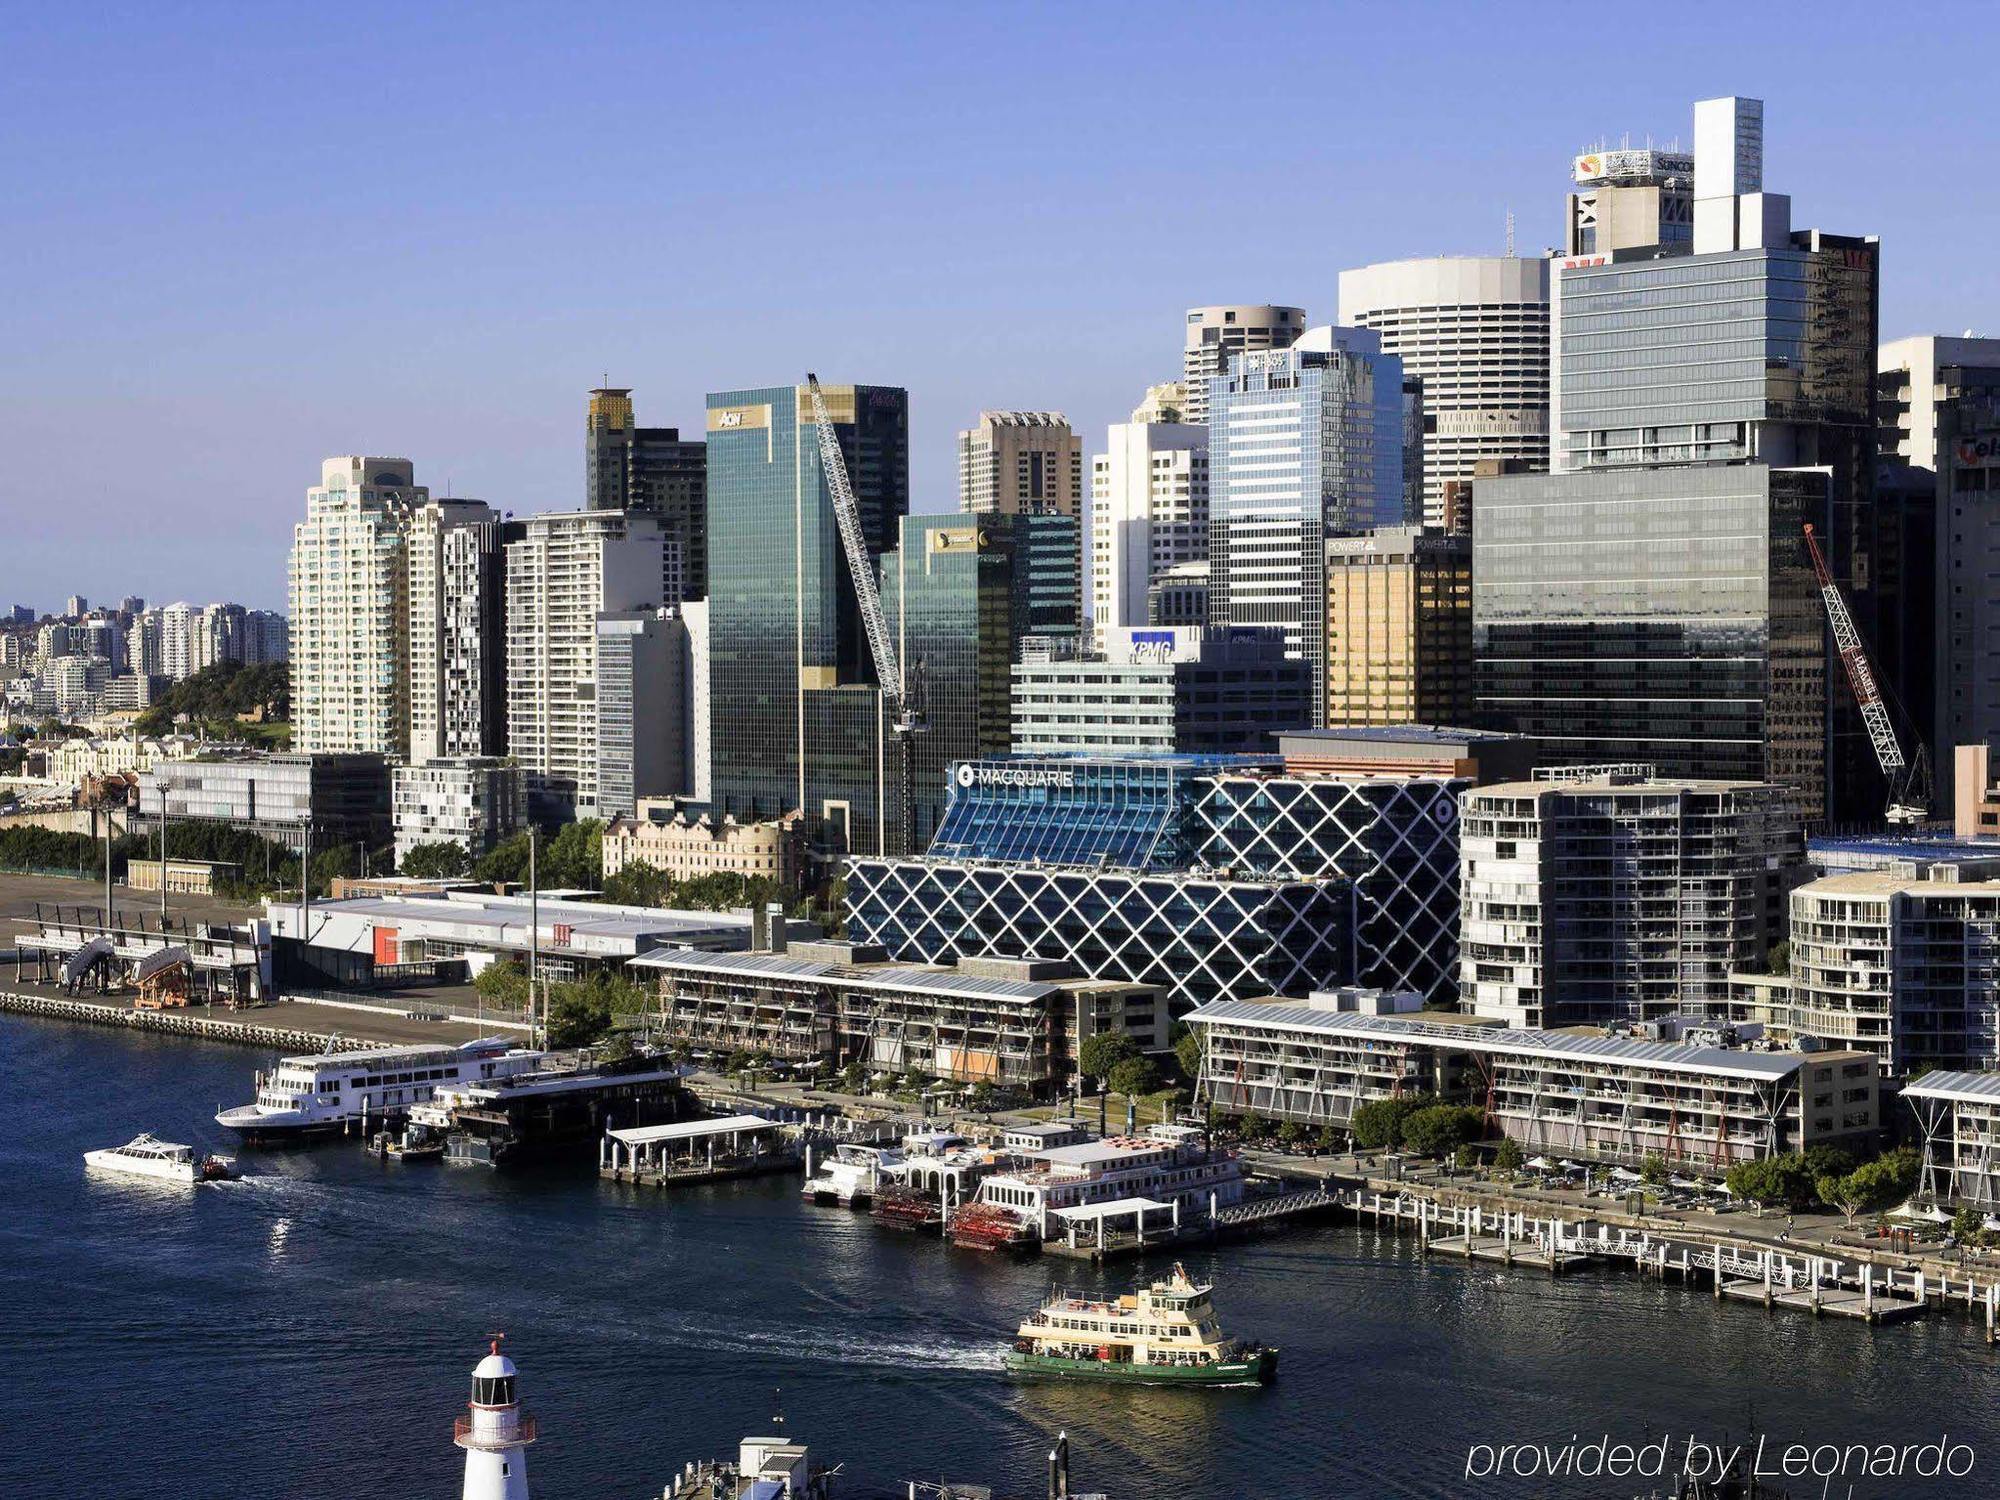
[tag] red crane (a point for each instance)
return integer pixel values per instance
(1909, 785)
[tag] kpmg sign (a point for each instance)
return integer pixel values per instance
(999, 773)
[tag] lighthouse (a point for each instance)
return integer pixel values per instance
(494, 1433)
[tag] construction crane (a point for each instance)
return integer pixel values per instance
(1909, 783)
(902, 695)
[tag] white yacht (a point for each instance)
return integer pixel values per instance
(310, 1095)
(144, 1156)
(854, 1173)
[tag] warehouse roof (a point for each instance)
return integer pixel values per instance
(1955, 1086)
(940, 981)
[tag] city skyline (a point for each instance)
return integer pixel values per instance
(243, 304)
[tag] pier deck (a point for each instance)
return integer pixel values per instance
(285, 1025)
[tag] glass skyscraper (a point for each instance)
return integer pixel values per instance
(795, 704)
(1303, 442)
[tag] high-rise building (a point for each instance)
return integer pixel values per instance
(796, 704)
(1047, 570)
(1399, 627)
(948, 593)
(650, 471)
(642, 717)
(1017, 462)
(1644, 603)
(1611, 895)
(1155, 690)
(178, 649)
(1303, 442)
(1939, 404)
(267, 637)
(77, 607)
(348, 584)
(1215, 333)
(1474, 330)
(564, 572)
(472, 801)
(1629, 199)
(1148, 513)
(457, 631)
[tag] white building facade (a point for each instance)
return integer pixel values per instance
(1148, 513)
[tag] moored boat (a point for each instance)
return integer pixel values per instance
(168, 1161)
(1163, 1334)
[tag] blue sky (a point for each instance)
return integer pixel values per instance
(242, 237)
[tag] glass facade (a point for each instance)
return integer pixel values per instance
(1302, 442)
(795, 704)
(1199, 938)
(1050, 855)
(1047, 575)
(1668, 617)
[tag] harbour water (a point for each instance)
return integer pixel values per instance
(308, 1331)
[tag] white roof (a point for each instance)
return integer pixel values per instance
(1097, 1153)
(493, 1367)
(1117, 1207)
(1518, 1040)
(1942, 1085)
(690, 1130)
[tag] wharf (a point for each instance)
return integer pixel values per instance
(688, 1153)
(292, 1026)
(1534, 1255)
(1270, 1210)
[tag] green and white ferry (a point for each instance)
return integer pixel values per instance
(1164, 1334)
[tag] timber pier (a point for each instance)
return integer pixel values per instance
(178, 1023)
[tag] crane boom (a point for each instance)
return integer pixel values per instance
(848, 515)
(1860, 671)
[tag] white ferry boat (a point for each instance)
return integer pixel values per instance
(1164, 1334)
(305, 1096)
(146, 1156)
(854, 1174)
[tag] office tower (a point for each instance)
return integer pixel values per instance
(1474, 330)
(650, 471)
(457, 630)
(131, 604)
(1629, 200)
(77, 607)
(1046, 568)
(641, 708)
(1653, 601)
(1215, 877)
(1192, 690)
(1303, 442)
(1020, 461)
(1399, 627)
(794, 695)
(949, 595)
(1612, 895)
(1939, 400)
(1215, 333)
(1148, 512)
(348, 587)
(562, 574)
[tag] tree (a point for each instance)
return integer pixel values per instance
(1329, 1138)
(639, 884)
(1873, 1186)
(1135, 1077)
(506, 863)
(1378, 1124)
(1439, 1129)
(1653, 1170)
(1773, 1182)
(1968, 1225)
(503, 983)
(1290, 1133)
(1187, 1054)
(578, 1015)
(1510, 1157)
(1104, 1050)
(440, 861)
(1779, 959)
(574, 858)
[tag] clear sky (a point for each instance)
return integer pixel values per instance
(238, 238)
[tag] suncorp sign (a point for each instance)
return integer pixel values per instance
(1979, 450)
(973, 773)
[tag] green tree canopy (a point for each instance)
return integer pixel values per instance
(215, 695)
(1103, 1051)
(1187, 1054)
(1437, 1130)
(1378, 1124)
(1509, 1157)
(439, 861)
(1135, 1076)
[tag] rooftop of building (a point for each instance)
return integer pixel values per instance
(1633, 779)
(478, 913)
(938, 980)
(1982, 1087)
(1939, 879)
(1465, 1033)
(1428, 735)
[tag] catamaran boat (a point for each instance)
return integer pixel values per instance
(319, 1094)
(146, 1156)
(854, 1173)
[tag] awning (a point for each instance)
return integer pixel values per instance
(1118, 1207)
(691, 1130)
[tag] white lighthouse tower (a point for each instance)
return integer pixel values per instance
(494, 1433)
